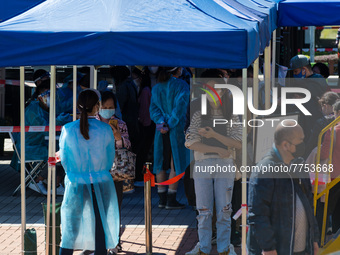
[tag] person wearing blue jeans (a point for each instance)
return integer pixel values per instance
(214, 171)
(218, 188)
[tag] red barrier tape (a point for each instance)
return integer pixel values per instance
(51, 161)
(16, 129)
(246, 206)
(148, 176)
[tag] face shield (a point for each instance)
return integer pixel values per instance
(45, 98)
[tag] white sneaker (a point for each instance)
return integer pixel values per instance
(231, 250)
(41, 186)
(195, 250)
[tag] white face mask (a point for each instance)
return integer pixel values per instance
(153, 69)
(48, 102)
(225, 80)
(107, 113)
(45, 98)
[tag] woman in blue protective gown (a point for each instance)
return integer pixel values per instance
(89, 212)
(169, 101)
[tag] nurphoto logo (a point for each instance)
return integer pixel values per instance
(238, 100)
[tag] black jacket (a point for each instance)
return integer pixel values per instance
(272, 210)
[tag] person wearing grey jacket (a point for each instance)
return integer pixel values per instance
(281, 219)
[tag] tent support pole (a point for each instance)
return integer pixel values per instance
(95, 78)
(267, 76)
(256, 87)
(273, 58)
(52, 152)
(91, 77)
(256, 83)
(244, 162)
(312, 43)
(22, 154)
(74, 93)
(51, 167)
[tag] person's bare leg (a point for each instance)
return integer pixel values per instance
(172, 175)
(161, 177)
(172, 203)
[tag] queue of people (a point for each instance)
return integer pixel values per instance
(156, 110)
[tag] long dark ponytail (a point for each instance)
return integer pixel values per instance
(86, 101)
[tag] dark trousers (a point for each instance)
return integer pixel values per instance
(189, 185)
(119, 190)
(334, 207)
(100, 246)
(147, 135)
(236, 205)
(333, 210)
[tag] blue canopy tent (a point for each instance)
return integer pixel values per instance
(10, 9)
(193, 33)
(174, 33)
(294, 13)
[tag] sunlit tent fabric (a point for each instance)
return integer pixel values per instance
(134, 32)
(293, 13)
(263, 21)
(10, 8)
(224, 11)
(265, 6)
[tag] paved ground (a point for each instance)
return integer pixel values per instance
(174, 231)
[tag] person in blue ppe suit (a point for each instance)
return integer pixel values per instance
(65, 93)
(39, 76)
(37, 114)
(89, 212)
(169, 101)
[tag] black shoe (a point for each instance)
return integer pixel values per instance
(172, 203)
(112, 252)
(119, 247)
(162, 199)
(236, 239)
(86, 252)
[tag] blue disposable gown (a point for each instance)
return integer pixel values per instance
(86, 162)
(36, 146)
(169, 102)
(64, 99)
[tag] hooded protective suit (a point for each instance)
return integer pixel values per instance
(64, 99)
(36, 147)
(169, 103)
(88, 162)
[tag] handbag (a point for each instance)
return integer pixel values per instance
(124, 165)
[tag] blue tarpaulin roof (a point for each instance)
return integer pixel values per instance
(134, 32)
(292, 13)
